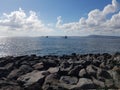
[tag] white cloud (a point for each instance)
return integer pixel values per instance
(111, 8)
(19, 23)
(96, 23)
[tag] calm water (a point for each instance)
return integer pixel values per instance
(57, 45)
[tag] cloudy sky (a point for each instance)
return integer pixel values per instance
(59, 17)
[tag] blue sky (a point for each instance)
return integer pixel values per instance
(69, 12)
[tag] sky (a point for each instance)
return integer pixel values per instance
(59, 17)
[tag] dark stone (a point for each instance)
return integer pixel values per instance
(9, 66)
(106, 55)
(115, 78)
(85, 63)
(35, 86)
(73, 54)
(18, 63)
(83, 73)
(3, 72)
(109, 83)
(5, 61)
(51, 82)
(102, 65)
(24, 63)
(69, 80)
(75, 70)
(50, 72)
(7, 82)
(25, 68)
(96, 63)
(14, 74)
(53, 70)
(18, 72)
(33, 62)
(84, 83)
(65, 67)
(49, 63)
(11, 88)
(104, 74)
(39, 66)
(9, 85)
(99, 83)
(33, 78)
(91, 70)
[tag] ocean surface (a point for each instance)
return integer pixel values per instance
(57, 45)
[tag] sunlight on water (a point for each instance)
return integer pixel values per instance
(56, 45)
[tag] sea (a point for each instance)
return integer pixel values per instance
(52, 45)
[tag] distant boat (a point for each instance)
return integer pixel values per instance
(46, 36)
(65, 37)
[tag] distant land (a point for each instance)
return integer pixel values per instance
(102, 36)
(89, 36)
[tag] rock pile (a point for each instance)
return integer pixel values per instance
(67, 72)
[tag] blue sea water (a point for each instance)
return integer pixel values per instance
(57, 45)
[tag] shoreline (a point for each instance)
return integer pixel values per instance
(60, 72)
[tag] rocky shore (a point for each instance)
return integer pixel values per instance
(67, 72)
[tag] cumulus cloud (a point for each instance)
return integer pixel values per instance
(19, 23)
(97, 21)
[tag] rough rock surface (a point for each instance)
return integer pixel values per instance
(67, 72)
(84, 83)
(33, 77)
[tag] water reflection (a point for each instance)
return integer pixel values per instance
(57, 45)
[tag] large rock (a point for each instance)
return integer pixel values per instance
(91, 70)
(116, 77)
(102, 65)
(84, 83)
(20, 60)
(69, 80)
(96, 63)
(75, 70)
(106, 55)
(52, 83)
(99, 83)
(83, 73)
(9, 66)
(18, 72)
(4, 71)
(39, 66)
(2, 62)
(53, 70)
(14, 74)
(109, 83)
(6, 60)
(25, 68)
(50, 63)
(65, 67)
(103, 73)
(86, 63)
(33, 77)
(76, 63)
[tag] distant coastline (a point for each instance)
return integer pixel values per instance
(102, 36)
(99, 36)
